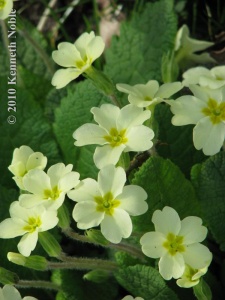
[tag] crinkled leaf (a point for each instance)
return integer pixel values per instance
(73, 112)
(135, 56)
(166, 186)
(145, 282)
(209, 179)
(31, 129)
(74, 287)
(176, 142)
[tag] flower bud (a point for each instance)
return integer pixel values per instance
(64, 217)
(96, 236)
(8, 277)
(101, 81)
(49, 243)
(32, 262)
(96, 276)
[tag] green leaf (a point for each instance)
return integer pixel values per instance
(166, 186)
(135, 57)
(31, 129)
(31, 50)
(176, 142)
(209, 178)
(74, 287)
(146, 282)
(73, 112)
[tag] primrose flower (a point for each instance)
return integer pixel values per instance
(24, 160)
(48, 189)
(185, 48)
(119, 130)
(176, 243)
(213, 79)
(206, 109)
(77, 57)
(108, 203)
(27, 223)
(5, 8)
(131, 298)
(143, 95)
(191, 277)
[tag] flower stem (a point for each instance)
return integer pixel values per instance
(132, 250)
(79, 263)
(37, 284)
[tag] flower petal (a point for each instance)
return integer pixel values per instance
(36, 181)
(171, 266)
(192, 230)
(69, 181)
(57, 171)
(86, 215)
(106, 115)
(168, 89)
(9, 228)
(208, 136)
(186, 110)
(85, 191)
(89, 134)
(117, 226)
(9, 292)
(95, 48)
(29, 201)
(193, 75)
(139, 138)
(152, 244)
(197, 256)
(111, 179)
(27, 243)
(106, 155)
(66, 55)
(4, 13)
(36, 161)
(48, 220)
(131, 115)
(166, 221)
(63, 76)
(132, 200)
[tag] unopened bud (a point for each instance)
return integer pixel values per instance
(49, 244)
(96, 236)
(8, 277)
(97, 276)
(32, 262)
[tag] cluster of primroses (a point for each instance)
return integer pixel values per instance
(107, 202)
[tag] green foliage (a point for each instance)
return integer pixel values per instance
(31, 50)
(166, 186)
(135, 57)
(146, 282)
(31, 128)
(73, 112)
(209, 178)
(176, 142)
(74, 287)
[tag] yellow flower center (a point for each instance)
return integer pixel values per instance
(116, 138)
(2, 4)
(215, 111)
(174, 244)
(189, 273)
(32, 224)
(147, 98)
(81, 63)
(107, 203)
(52, 194)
